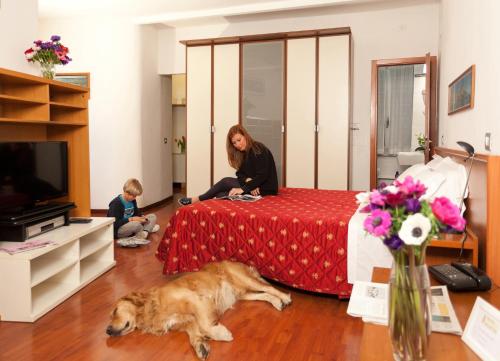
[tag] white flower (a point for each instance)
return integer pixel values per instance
(392, 189)
(415, 229)
(29, 55)
(363, 198)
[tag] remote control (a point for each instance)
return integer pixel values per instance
(80, 220)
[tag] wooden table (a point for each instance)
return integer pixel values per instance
(376, 344)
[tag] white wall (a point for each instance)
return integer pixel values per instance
(126, 120)
(470, 34)
(18, 30)
(380, 31)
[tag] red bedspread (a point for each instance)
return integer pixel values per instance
(298, 237)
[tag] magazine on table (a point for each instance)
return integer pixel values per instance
(370, 301)
(18, 247)
(242, 197)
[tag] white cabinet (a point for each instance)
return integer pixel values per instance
(226, 103)
(312, 131)
(34, 282)
(318, 112)
(301, 116)
(199, 107)
(333, 112)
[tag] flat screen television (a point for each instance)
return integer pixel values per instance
(32, 172)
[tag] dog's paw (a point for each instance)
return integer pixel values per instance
(277, 303)
(202, 350)
(286, 300)
(221, 333)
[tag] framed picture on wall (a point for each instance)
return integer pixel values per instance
(461, 91)
(80, 79)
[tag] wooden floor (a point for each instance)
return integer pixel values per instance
(313, 328)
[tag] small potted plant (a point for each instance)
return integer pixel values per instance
(181, 143)
(421, 141)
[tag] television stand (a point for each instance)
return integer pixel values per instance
(34, 282)
(31, 222)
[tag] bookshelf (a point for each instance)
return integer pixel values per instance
(38, 109)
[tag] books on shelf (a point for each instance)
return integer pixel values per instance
(242, 197)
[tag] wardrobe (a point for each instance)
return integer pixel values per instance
(290, 90)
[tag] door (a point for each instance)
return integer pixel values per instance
(403, 121)
(301, 112)
(226, 104)
(198, 128)
(333, 112)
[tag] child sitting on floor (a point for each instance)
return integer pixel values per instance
(129, 220)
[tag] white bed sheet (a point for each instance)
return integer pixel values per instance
(364, 251)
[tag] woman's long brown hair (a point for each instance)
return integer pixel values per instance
(234, 156)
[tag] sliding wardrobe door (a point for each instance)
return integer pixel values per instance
(226, 103)
(262, 95)
(333, 112)
(300, 110)
(199, 103)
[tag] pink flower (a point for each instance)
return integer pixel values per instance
(395, 199)
(377, 198)
(378, 223)
(448, 213)
(411, 187)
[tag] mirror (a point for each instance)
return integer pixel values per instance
(403, 109)
(262, 96)
(401, 119)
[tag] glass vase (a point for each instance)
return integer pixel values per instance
(48, 70)
(409, 309)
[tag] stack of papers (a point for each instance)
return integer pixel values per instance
(370, 301)
(17, 247)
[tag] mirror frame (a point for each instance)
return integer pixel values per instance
(431, 128)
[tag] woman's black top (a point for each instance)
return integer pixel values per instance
(258, 165)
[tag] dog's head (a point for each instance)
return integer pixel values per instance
(124, 315)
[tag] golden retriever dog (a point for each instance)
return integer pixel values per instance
(194, 303)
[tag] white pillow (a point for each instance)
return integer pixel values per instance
(455, 178)
(412, 171)
(436, 160)
(430, 178)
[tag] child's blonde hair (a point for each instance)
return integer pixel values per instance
(133, 186)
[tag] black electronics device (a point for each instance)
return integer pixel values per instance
(80, 220)
(31, 175)
(461, 277)
(17, 227)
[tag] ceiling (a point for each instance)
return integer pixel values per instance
(183, 12)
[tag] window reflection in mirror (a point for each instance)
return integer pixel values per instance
(400, 119)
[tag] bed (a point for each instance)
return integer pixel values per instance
(308, 239)
(298, 237)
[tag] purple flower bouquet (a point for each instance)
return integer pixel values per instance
(401, 216)
(48, 54)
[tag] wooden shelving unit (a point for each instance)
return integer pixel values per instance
(34, 282)
(38, 109)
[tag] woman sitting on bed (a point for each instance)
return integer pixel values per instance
(255, 169)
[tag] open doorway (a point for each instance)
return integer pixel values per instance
(179, 143)
(403, 115)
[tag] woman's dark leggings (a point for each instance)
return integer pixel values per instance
(221, 188)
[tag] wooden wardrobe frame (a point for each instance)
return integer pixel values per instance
(282, 36)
